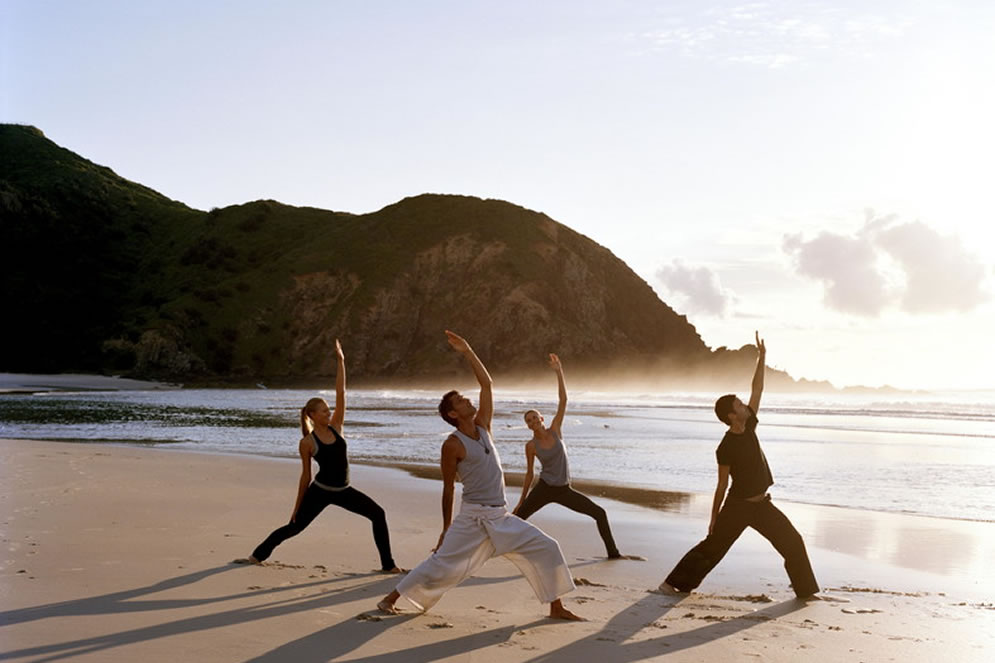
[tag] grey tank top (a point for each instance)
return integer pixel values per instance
(480, 471)
(555, 469)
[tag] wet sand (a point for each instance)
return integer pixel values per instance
(121, 553)
(32, 383)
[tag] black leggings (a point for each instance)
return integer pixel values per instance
(735, 516)
(543, 494)
(315, 500)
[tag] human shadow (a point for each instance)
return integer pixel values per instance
(116, 602)
(626, 623)
(223, 618)
(123, 601)
(336, 640)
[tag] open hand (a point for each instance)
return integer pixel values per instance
(554, 362)
(457, 342)
(338, 351)
(760, 344)
(439, 544)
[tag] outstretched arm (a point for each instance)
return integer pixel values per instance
(338, 416)
(302, 485)
(758, 374)
(561, 409)
(452, 453)
(720, 495)
(530, 456)
(485, 408)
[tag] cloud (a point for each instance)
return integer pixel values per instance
(774, 34)
(699, 285)
(847, 267)
(940, 274)
(890, 264)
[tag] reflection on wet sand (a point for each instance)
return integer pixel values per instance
(952, 548)
(653, 499)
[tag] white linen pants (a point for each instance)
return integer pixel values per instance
(477, 534)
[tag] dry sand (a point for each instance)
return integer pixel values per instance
(122, 554)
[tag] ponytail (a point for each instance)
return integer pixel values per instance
(305, 422)
(305, 418)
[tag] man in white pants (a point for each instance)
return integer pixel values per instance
(484, 527)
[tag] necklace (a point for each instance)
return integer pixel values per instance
(487, 449)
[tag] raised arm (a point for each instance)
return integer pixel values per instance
(561, 409)
(758, 374)
(485, 407)
(338, 416)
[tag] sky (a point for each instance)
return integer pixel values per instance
(818, 171)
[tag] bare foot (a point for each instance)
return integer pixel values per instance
(396, 569)
(388, 607)
(246, 560)
(669, 590)
(557, 611)
(816, 597)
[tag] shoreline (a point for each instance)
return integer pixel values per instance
(650, 498)
(23, 383)
(34, 383)
(118, 553)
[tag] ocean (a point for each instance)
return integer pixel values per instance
(926, 454)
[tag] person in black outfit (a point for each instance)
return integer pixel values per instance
(748, 504)
(324, 443)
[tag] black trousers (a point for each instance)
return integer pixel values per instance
(734, 517)
(314, 502)
(543, 494)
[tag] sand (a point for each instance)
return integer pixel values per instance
(115, 553)
(31, 383)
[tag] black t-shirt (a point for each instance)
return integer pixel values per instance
(747, 464)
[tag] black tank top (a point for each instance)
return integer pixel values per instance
(333, 465)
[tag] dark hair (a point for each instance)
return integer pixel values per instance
(723, 407)
(444, 408)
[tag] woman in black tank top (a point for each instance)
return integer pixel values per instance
(322, 440)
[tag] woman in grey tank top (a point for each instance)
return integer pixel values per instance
(554, 479)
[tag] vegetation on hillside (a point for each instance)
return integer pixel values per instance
(102, 274)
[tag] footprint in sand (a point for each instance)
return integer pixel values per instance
(440, 625)
(367, 617)
(860, 611)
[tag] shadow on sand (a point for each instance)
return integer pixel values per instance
(121, 602)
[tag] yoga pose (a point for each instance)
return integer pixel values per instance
(323, 441)
(748, 504)
(554, 478)
(484, 527)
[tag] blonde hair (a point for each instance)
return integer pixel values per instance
(308, 408)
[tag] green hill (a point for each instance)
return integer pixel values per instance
(103, 274)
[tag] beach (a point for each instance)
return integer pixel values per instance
(115, 553)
